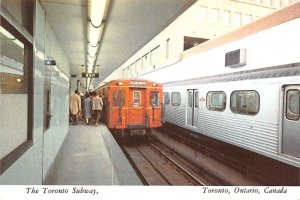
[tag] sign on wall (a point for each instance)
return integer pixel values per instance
(90, 75)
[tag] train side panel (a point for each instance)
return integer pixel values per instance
(260, 132)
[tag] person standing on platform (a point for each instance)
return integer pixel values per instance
(87, 108)
(75, 107)
(97, 105)
(81, 114)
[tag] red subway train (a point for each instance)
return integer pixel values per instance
(132, 106)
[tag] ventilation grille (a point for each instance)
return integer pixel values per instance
(235, 58)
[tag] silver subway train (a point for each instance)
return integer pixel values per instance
(242, 88)
(258, 111)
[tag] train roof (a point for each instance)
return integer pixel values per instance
(134, 82)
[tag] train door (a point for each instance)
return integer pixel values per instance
(155, 114)
(137, 107)
(114, 114)
(291, 121)
(192, 107)
(166, 100)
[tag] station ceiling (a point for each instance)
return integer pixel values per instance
(130, 24)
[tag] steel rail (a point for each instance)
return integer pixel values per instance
(195, 179)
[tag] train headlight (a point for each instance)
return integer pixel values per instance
(120, 83)
(154, 84)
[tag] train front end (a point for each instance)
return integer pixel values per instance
(136, 107)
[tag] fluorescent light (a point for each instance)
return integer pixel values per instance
(89, 69)
(92, 50)
(90, 60)
(88, 83)
(90, 64)
(97, 11)
(94, 34)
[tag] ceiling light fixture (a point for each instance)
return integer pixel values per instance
(92, 51)
(90, 61)
(94, 33)
(97, 11)
(95, 27)
(96, 14)
(97, 8)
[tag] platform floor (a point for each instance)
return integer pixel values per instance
(91, 156)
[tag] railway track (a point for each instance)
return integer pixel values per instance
(229, 170)
(157, 164)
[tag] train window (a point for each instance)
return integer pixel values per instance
(118, 98)
(216, 100)
(154, 98)
(244, 102)
(196, 99)
(136, 98)
(175, 98)
(292, 104)
(167, 98)
(190, 99)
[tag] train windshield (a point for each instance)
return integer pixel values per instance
(154, 99)
(118, 98)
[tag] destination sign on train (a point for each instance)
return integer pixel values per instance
(141, 83)
(90, 75)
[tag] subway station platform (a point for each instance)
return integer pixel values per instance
(91, 156)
